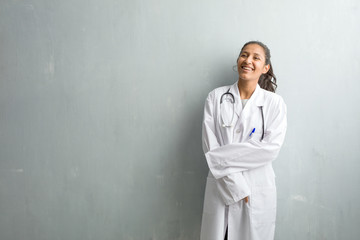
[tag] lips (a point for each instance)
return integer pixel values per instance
(247, 68)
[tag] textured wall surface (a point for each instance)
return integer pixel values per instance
(101, 106)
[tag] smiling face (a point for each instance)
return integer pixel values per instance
(252, 63)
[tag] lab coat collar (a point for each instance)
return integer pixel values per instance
(257, 98)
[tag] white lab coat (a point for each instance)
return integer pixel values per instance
(241, 165)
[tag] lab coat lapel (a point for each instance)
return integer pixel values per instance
(256, 100)
(259, 96)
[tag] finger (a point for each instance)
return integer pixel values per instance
(246, 199)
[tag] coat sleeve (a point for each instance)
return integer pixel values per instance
(239, 157)
(232, 187)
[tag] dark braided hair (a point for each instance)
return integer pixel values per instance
(267, 80)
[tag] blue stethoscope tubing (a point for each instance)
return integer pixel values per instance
(233, 102)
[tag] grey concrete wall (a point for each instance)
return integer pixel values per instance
(101, 107)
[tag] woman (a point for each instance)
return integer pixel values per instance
(243, 130)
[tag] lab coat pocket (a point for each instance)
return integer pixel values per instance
(256, 136)
(263, 206)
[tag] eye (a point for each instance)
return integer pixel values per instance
(256, 58)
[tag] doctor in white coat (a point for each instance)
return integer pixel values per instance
(244, 128)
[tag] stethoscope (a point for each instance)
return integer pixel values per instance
(229, 97)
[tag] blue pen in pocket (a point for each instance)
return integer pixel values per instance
(252, 132)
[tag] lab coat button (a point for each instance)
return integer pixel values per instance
(238, 131)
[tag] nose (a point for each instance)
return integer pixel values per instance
(247, 60)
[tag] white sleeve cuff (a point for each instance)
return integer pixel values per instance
(233, 188)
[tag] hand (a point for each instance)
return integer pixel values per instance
(246, 199)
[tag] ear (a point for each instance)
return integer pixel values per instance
(266, 68)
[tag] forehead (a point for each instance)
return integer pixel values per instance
(254, 49)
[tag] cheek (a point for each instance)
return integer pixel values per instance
(261, 67)
(238, 65)
(238, 62)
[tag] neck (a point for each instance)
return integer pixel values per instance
(246, 88)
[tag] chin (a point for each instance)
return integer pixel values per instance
(244, 77)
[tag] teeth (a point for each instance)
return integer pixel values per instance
(247, 68)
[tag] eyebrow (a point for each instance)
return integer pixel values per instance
(258, 54)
